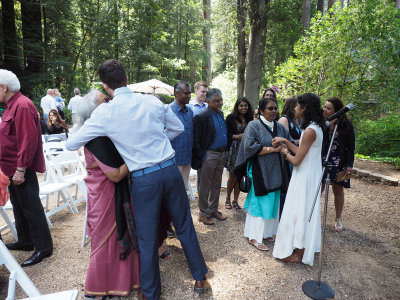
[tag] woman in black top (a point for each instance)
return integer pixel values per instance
(236, 123)
(288, 119)
(342, 154)
(55, 124)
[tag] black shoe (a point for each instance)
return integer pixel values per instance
(19, 246)
(170, 233)
(37, 257)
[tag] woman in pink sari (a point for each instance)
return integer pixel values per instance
(114, 260)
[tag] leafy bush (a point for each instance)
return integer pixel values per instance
(67, 115)
(379, 138)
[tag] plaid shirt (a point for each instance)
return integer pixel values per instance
(183, 143)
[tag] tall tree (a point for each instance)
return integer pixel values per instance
(32, 35)
(331, 3)
(9, 36)
(207, 41)
(258, 15)
(305, 16)
(241, 47)
(320, 6)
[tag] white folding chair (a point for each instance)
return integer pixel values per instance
(18, 275)
(52, 186)
(76, 176)
(53, 148)
(10, 224)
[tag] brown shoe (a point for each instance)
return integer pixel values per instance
(201, 286)
(218, 215)
(205, 220)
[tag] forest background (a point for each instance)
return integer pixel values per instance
(346, 48)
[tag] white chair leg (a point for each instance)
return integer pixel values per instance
(85, 238)
(9, 223)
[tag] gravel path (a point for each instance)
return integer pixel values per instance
(359, 263)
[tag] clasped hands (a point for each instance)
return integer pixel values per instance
(279, 143)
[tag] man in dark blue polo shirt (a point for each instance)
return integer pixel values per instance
(210, 140)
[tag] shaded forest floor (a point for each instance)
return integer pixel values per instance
(362, 262)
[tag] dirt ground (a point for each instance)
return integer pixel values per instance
(362, 262)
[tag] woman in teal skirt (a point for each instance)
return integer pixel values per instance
(268, 170)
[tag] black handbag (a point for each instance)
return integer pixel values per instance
(245, 183)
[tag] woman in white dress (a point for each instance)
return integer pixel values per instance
(297, 239)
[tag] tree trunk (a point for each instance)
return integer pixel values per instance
(258, 13)
(206, 41)
(9, 36)
(398, 4)
(305, 16)
(45, 34)
(241, 54)
(32, 35)
(331, 3)
(320, 6)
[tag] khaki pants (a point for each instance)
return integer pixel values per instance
(185, 172)
(210, 182)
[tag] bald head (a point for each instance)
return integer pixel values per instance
(50, 92)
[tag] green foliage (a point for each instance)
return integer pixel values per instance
(67, 115)
(351, 53)
(379, 138)
(226, 82)
(390, 160)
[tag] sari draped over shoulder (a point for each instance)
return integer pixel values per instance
(109, 272)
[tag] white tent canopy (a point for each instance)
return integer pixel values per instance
(152, 86)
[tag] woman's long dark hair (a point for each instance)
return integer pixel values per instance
(248, 116)
(59, 122)
(344, 123)
(288, 108)
(313, 111)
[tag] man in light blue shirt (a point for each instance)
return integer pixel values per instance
(141, 128)
(198, 104)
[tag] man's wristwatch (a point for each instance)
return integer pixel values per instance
(285, 154)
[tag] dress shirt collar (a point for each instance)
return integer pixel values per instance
(176, 106)
(122, 90)
(12, 100)
(195, 103)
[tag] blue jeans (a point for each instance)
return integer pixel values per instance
(148, 192)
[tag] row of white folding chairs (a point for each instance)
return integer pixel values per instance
(18, 275)
(57, 183)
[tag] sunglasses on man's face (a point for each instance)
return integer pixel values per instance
(272, 108)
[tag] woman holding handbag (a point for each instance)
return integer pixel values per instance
(268, 172)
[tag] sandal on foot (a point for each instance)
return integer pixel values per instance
(338, 225)
(165, 255)
(236, 205)
(260, 247)
(228, 204)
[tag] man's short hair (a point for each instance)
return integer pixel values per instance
(9, 79)
(178, 86)
(76, 91)
(198, 84)
(211, 93)
(112, 73)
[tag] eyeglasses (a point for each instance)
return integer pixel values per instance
(272, 108)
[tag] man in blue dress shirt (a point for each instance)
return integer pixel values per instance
(183, 143)
(141, 128)
(210, 140)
